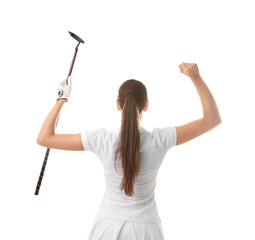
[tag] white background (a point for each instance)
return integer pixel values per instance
(205, 187)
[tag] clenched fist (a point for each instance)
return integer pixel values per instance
(190, 70)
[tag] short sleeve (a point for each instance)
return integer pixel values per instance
(165, 138)
(94, 140)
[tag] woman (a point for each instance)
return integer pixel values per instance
(131, 157)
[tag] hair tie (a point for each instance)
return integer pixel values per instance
(131, 93)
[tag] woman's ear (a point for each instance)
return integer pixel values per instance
(146, 106)
(118, 106)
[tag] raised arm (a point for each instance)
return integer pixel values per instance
(47, 136)
(211, 116)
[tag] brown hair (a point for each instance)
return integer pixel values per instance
(129, 139)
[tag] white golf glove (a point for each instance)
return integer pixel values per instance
(64, 90)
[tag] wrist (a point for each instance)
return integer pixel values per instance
(62, 100)
(196, 78)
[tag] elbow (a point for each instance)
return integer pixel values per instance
(40, 141)
(44, 141)
(214, 121)
(218, 120)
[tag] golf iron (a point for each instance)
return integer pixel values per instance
(48, 149)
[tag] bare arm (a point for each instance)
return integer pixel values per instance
(210, 109)
(49, 139)
(211, 116)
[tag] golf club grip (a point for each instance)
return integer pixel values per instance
(44, 166)
(42, 171)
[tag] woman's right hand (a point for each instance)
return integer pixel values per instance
(190, 70)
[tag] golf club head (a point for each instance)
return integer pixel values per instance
(76, 37)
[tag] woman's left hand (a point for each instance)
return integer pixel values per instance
(64, 90)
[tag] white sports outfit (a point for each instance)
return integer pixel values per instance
(119, 216)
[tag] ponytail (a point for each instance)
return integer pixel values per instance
(129, 142)
(130, 145)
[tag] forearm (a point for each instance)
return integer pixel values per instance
(210, 109)
(48, 127)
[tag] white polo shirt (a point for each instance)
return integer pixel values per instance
(141, 207)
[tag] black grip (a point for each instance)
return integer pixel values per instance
(42, 171)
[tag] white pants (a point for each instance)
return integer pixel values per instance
(110, 229)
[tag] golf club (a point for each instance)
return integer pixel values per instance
(48, 149)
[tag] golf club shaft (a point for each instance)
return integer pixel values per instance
(48, 149)
(71, 67)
